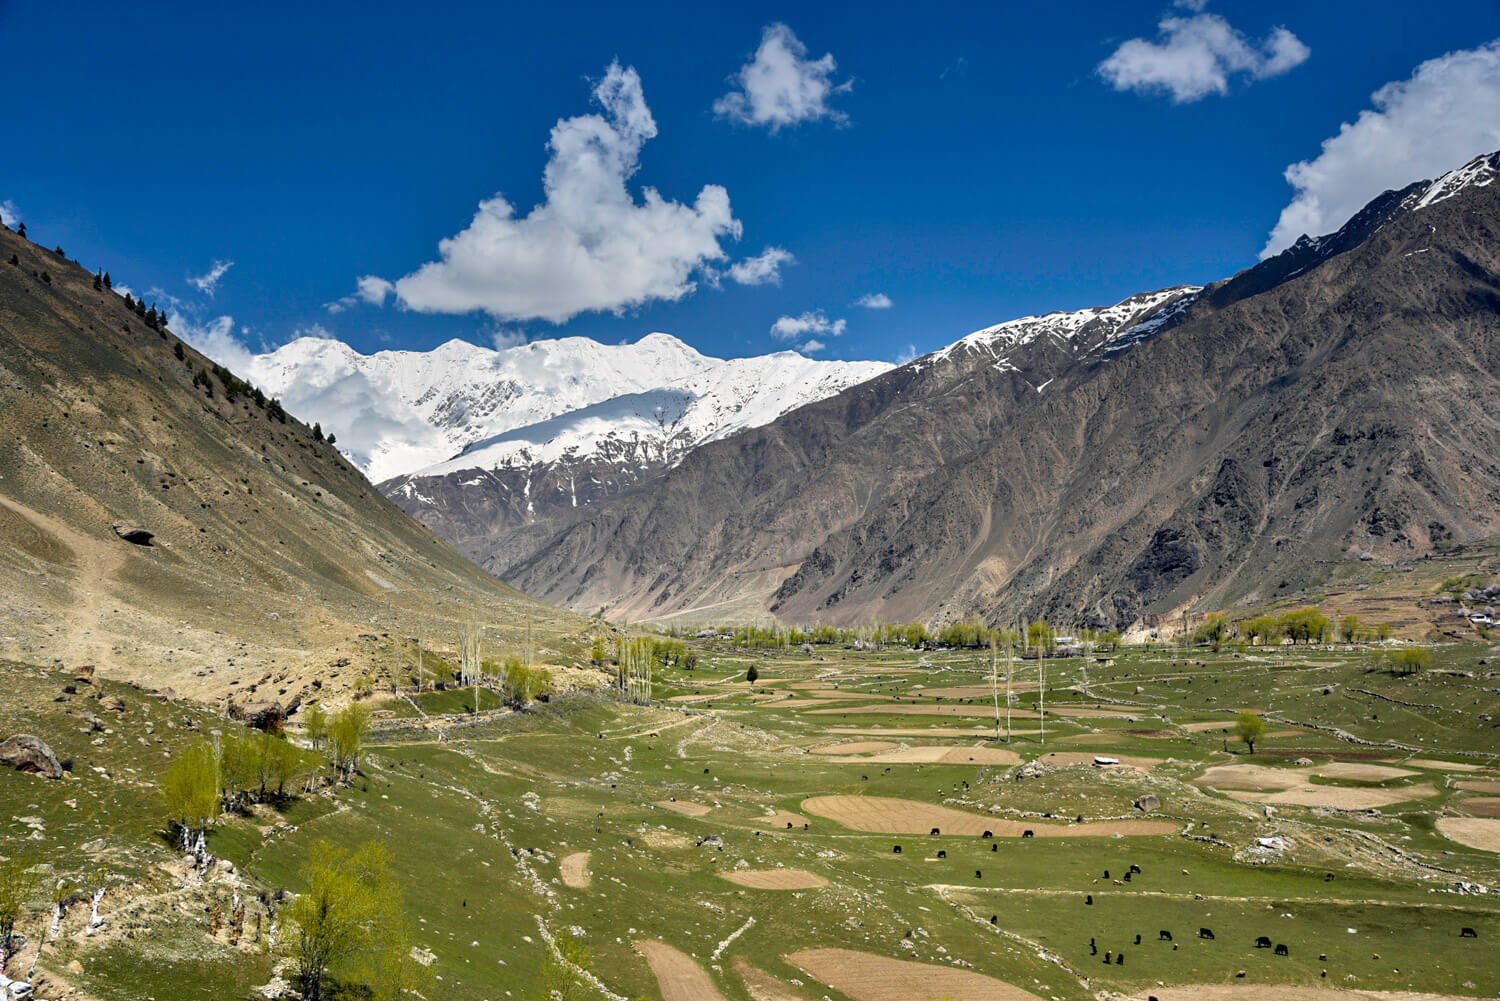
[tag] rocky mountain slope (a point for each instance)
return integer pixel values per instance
(1183, 448)
(258, 552)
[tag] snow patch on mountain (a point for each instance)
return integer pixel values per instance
(1479, 172)
(396, 412)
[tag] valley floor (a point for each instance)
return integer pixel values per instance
(740, 841)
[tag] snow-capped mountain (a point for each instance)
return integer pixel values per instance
(395, 412)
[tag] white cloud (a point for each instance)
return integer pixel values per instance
(9, 214)
(813, 322)
(507, 337)
(906, 354)
(215, 337)
(207, 283)
(1196, 56)
(762, 270)
(373, 290)
(781, 86)
(1447, 113)
(589, 246)
(875, 300)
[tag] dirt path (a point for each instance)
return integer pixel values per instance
(761, 985)
(678, 976)
(97, 562)
(883, 815)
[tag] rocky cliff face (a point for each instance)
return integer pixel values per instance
(1183, 447)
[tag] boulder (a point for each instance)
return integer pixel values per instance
(26, 753)
(1303, 762)
(1034, 769)
(267, 716)
(134, 534)
(113, 703)
(84, 675)
(94, 722)
(1147, 803)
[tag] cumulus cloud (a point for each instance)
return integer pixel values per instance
(808, 328)
(590, 245)
(9, 214)
(1445, 114)
(1196, 56)
(207, 283)
(875, 300)
(763, 269)
(780, 86)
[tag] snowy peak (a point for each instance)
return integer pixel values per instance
(1479, 172)
(464, 406)
(1094, 328)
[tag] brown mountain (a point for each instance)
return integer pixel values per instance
(258, 549)
(1184, 448)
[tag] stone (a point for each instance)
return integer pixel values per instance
(267, 716)
(1034, 769)
(26, 753)
(1148, 802)
(134, 534)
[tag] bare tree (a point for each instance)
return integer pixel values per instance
(470, 663)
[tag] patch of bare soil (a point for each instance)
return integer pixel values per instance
(684, 807)
(778, 821)
(884, 815)
(761, 985)
(575, 870)
(1339, 797)
(1481, 806)
(1064, 758)
(1207, 726)
(677, 975)
(854, 747)
(776, 879)
(975, 691)
(1444, 766)
(666, 839)
(865, 976)
(1479, 785)
(918, 731)
(1476, 832)
(1360, 771)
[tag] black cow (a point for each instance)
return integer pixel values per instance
(994, 919)
(1262, 942)
(1135, 868)
(896, 850)
(1106, 873)
(988, 834)
(1207, 933)
(1120, 959)
(1281, 949)
(1164, 936)
(1026, 834)
(1137, 938)
(1088, 900)
(936, 831)
(942, 854)
(789, 825)
(978, 874)
(1467, 933)
(994, 848)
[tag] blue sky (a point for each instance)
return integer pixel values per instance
(972, 163)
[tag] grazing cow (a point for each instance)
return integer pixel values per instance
(705, 771)
(1127, 877)
(936, 831)
(987, 834)
(1281, 949)
(1027, 834)
(1262, 942)
(1207, 933)
(806, 827)
(1467, 933)
(942, 854)
(865, 778)
(896, 850)
(978, 874)
(1093, 949)
(1164, 936)
(1120, 959)
(789, 825)
(1088, 900)
(994, 919)
(1328, 877)
(994, 848)
(1135, 868)
(1106, 873)
(1108, 957)
(1137, 938)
